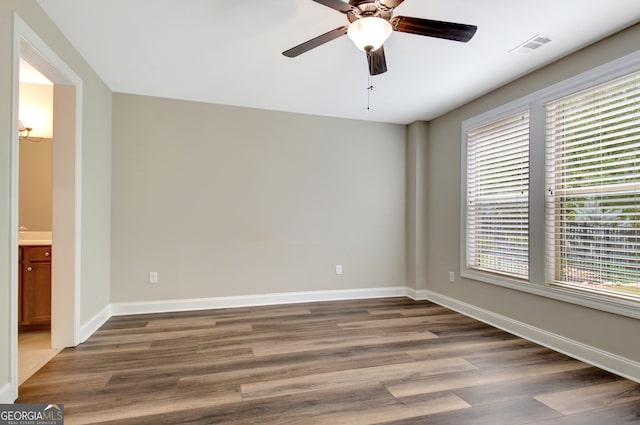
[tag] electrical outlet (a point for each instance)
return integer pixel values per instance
(338, 268)
(452, 277)
(153, 277)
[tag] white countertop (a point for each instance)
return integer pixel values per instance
(29, 238)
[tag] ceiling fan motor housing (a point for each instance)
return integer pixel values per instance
(366, 9)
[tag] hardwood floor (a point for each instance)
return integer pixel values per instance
(384, 361)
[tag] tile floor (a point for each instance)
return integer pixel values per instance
(34, 351)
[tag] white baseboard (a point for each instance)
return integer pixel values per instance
(88, 329)
(613, 363)
(7, 395)
(165, 306)
(417, 294)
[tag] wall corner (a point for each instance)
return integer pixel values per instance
(416, 204)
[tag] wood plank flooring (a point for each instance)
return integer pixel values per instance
(383, 361)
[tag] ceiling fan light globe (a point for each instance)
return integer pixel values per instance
(369, 33)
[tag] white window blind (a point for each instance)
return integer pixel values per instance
(593, 195)
(498, 197)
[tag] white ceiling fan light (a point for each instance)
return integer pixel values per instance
(369, 33)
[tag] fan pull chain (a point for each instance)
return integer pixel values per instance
(370, 88)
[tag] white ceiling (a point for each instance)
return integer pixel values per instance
(28, 74)
(229, 52)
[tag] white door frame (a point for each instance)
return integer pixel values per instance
(67, 185)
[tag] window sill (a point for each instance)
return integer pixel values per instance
(603, 303)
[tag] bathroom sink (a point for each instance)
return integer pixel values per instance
(34, 238)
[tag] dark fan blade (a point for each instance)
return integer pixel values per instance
(315, 42)
(377, 61)
(391, 4)
(439, 29)
(338, 5)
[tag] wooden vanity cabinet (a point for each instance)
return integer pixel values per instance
(34, 311)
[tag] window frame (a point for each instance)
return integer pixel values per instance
(535, 103)
(471, 126)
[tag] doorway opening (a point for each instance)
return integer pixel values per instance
(35, 182)
(66, 182)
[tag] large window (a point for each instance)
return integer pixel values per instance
(498, 196)
(551, 191)
(593, 177)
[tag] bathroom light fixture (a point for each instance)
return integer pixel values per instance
(369, 33)
(22, 130)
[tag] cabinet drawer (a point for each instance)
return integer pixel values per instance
(36, 253)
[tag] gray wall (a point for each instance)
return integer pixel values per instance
(224, 201)
(417, 205)
(36, 158)
(96, 169)
(606, 331)
(36, 184)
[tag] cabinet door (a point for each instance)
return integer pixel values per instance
(36, 285)
(37, 293)
(20, 286)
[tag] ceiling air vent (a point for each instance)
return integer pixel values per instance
(532, 44)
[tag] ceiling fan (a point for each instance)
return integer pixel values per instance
(372, 21)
